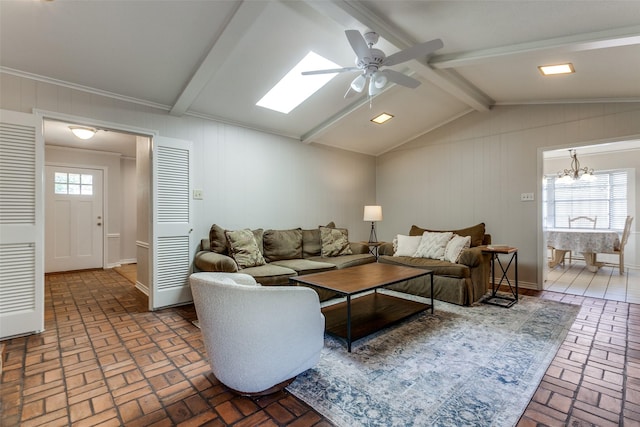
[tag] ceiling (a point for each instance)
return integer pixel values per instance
(216, 59)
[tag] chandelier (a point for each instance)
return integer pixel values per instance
(576, 172)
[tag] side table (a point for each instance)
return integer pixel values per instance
(373, 247)
(495, 251)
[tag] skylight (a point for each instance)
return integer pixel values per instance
(294, 88)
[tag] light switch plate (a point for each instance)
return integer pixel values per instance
(197, 194)
(526, 197)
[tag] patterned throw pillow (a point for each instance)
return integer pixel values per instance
(433, 245)
(335, 241)
(243, 247)
(455, 246)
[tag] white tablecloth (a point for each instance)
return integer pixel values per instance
(595, 241)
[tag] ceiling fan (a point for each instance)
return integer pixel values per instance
(369, 60)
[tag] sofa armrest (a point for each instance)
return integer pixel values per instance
(471, 257)
(359, 248)
(212, 261)
(385, 249)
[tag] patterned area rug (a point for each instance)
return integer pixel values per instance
(474, 366)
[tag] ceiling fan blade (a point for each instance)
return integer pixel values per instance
(358, 43)
(401, 79)
(330, 71)
(420, 49)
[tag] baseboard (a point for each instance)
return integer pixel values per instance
(128, 261)
(521, 284)
(142, 288)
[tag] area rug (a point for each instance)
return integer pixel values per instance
(474, 366)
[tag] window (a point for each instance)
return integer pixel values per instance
(604, 198)
(73, 183)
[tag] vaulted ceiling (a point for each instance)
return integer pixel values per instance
(216, 59)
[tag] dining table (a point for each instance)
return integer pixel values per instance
(588, 242)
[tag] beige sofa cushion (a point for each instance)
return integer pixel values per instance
(270, 274)
(282, 244)
(305, 266)
(439, 268)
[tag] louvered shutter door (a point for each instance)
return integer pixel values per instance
(21, 232)
(172, 222)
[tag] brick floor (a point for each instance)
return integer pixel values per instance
(105, 360)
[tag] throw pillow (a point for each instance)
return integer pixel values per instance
(244, 248)
(311, 242)
(455, 246)
(218, 240)
(432, 245)
(282, 244)
(407, 245)
(335, 241)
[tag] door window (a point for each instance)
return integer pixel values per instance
(73, 184)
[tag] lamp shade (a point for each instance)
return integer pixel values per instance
(372, 213)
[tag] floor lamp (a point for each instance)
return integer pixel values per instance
(373, 214)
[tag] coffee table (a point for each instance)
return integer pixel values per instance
(358, 317)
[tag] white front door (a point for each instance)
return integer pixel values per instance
(73, 219)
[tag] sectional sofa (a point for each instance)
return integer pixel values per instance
(274, 256)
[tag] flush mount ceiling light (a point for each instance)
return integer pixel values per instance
(83, 132)
(381, 118)
(576, 172)
(550, 70)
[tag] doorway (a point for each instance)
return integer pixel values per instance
(616, 158)
(83, 230)
(73, 219)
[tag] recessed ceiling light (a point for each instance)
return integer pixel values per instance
(548, 70)
(380, 119)
(294, 88)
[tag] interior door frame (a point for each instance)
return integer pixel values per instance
(105, 207)
(542, 246)
(43, 115)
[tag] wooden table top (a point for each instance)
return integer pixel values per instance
(352, 280)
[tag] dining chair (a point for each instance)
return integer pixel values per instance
(581, 221)
(623, 241)
(578, 221)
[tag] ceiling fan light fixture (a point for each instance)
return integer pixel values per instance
(382, 118)
(358, 83)
(550, 70)
(83, 132)
(379, 79)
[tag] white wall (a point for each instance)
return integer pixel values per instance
(129, 210)
(249, 178)
(475, 168)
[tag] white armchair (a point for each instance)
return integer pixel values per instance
(258, 338)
